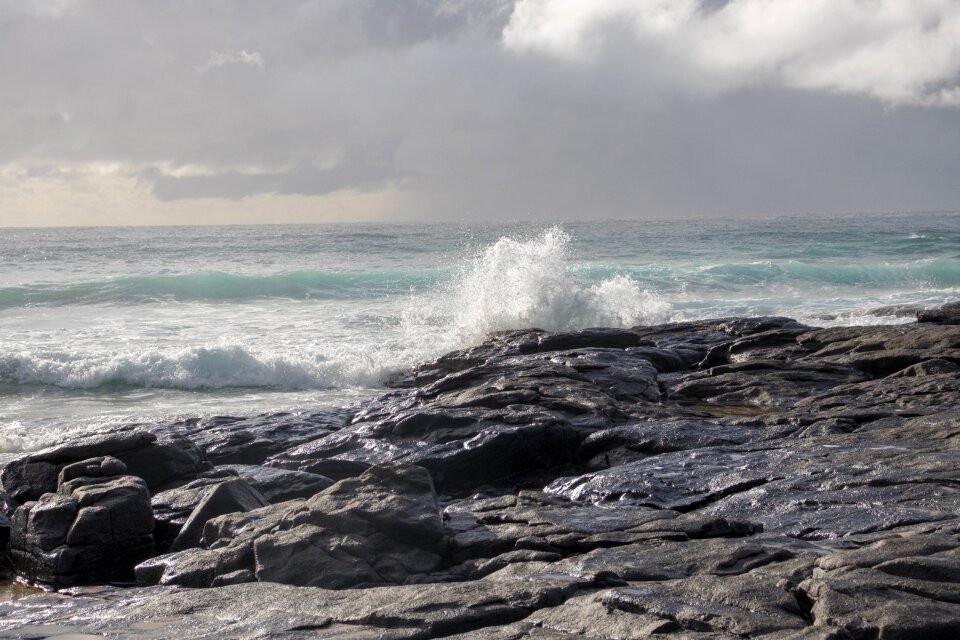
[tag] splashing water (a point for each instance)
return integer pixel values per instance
(525, 283)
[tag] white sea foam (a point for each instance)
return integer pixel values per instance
(511, 284)
(205, 367)
(522, 283)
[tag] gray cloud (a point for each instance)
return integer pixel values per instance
(552, 108)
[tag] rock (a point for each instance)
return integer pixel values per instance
(158, 461)
(249, 441)
(884, 591)
(246, 611)
(94, 529)
(380, 528)
(7, 506)
(946, 314)
(172, 507)
(728, 479)
(229, 496)
(635, 441)
(279, 485)
(101, 467)
(505, 421)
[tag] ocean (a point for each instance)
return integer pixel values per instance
(102, 326)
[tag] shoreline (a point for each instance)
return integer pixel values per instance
(739, 477)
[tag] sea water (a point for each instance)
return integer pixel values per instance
(102, 326)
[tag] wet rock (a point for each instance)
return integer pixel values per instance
(230, 440)
(731, 478)
(159, 461)
(946, 314)
(380, 528)
(507, 420)
(94, 529)
(279, 485)
(229, 496)
(7, 506)
(630, 442)
(266, 609)
(897, 588)
(172, 508)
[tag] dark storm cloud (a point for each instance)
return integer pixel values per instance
(483, 109)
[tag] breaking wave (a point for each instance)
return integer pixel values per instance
(206, 367)
(510, 284)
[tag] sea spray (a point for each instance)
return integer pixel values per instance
(518, 283)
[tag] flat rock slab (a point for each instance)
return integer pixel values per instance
(272, 610)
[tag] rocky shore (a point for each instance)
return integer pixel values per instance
(731, 478)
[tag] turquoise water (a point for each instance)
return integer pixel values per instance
(128, 324)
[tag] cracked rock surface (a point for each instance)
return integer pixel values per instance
(732, 478)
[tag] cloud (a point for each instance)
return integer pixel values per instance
(895, 51)
(493, 110)
(218, 59)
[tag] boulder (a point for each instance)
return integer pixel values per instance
(94, 529)
(172, 508)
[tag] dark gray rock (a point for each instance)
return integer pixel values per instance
(896, 588)
(259, 610)
(507, 420)
(7, 506)
(380, 528)
(635, 441)
(946, 314)
(724, 479)
(95, 529)
(169, 459)
(249, 441)
(279, 485)
(229, 496)
(101, 467)
(172, 508)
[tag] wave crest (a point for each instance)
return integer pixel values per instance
(205, 367)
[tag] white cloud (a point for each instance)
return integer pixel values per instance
(897, 51)
(218, 59)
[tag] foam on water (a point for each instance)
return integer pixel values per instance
(204, 367)
(512, 284)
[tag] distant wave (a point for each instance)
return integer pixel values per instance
(748, 276)
(219, 286)
(937, 273)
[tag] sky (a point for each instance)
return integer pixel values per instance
(213, 111)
